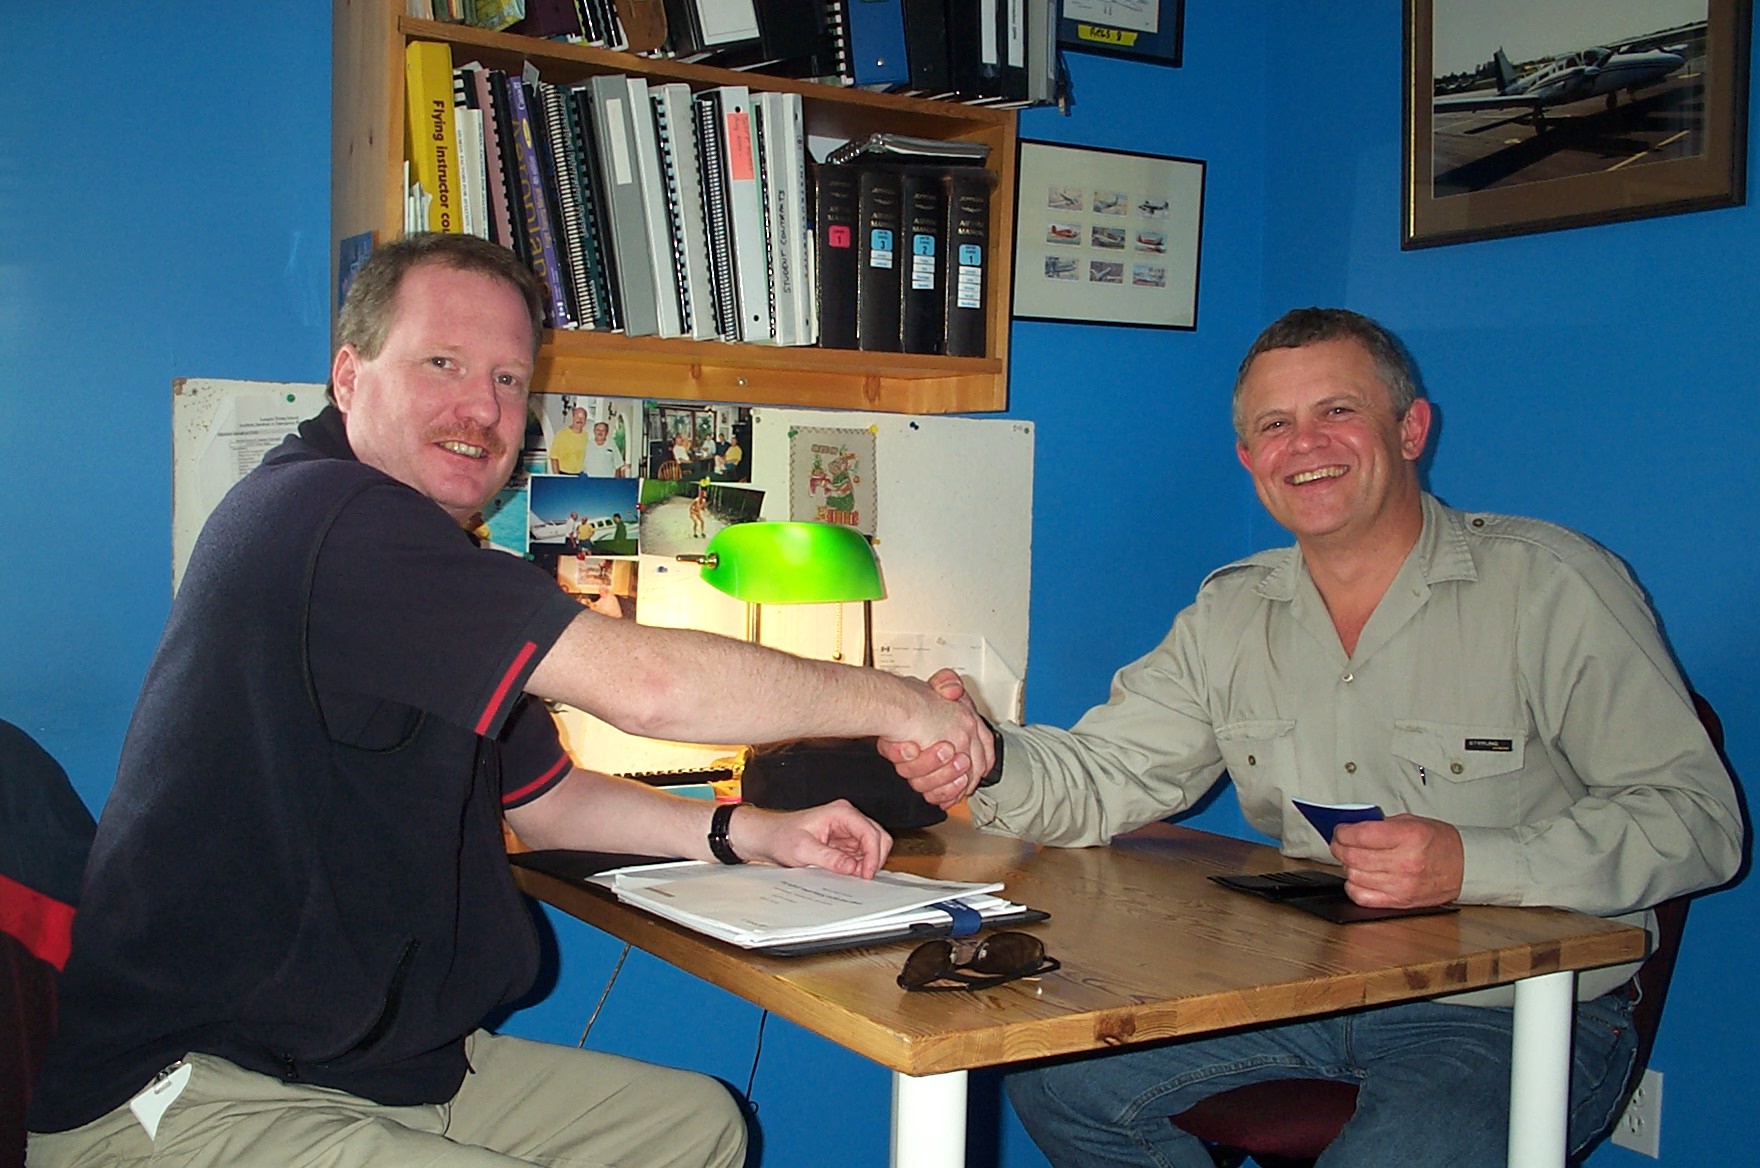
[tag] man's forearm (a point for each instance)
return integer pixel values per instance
(593, 812)
(692, 686)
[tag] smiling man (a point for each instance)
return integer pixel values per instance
(568, 449)
(1497, 686)
(298, 910)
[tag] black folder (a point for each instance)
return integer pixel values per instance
(835, 224)
(922, 258)
(877, 260)
(964, 312)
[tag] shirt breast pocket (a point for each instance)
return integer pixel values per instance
(371, 724)
(1259, 752)
(1469, 773)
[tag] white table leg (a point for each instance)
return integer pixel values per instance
(1540, 1070)
(929, 1120)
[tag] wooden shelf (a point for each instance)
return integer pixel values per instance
(367, 195)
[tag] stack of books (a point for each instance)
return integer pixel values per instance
(903, 232)
(655, 210)
(1001, 52)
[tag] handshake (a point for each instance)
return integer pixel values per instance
(962, 744)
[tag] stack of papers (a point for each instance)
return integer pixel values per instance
(756, 906)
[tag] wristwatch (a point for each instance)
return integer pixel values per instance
(994, 774)
(718, 845)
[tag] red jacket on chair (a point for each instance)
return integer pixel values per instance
(45, 833)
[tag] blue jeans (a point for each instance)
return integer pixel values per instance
(1432, 1086)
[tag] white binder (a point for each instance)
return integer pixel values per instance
(746, 215)
(623, 202)
(781, 223)
(676, 137)
(654, 209)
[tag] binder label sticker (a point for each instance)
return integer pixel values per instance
(879, 248)
(739, 146)
(970, 253)
(839, 235)
(923, 262)
(969, 292)
(621, 174)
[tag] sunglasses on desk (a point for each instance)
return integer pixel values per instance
(992, 961)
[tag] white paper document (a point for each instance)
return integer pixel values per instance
(996, 686)
(756, 905)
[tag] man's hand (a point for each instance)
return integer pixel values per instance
(606, 604)
(946, 772)
(1405, 861)
(835, 837)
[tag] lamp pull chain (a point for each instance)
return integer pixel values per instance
(837, 645)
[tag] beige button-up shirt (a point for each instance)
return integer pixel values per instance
(1511, 682)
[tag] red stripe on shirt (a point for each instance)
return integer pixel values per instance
(507, 682)
(562, 764)
(42, 923)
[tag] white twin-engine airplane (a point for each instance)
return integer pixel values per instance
(1573, 77)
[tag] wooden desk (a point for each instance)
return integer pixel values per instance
(1150, 950)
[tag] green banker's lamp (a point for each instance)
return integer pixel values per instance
(812, 563)
(790, 563)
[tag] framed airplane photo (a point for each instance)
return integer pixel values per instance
(1555, 114)
(1107, 236)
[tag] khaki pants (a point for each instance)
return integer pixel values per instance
(523, 1103)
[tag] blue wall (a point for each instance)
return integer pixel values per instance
(164, 191)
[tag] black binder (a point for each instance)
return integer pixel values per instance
(923, 258)
(602, 265)
(877, 260)
(967, 244)
(975, 74)
(835, 226)
(925, 45)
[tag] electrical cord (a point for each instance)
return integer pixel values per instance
(600, 1004)
(757, 1049)
(757, 1045)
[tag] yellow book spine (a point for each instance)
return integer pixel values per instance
(432, 147)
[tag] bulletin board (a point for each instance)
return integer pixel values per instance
(950, 515)
(219, 431)
(953, 523)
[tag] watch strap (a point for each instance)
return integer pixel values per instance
(718, 845)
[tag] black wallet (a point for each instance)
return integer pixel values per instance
(1317, 891)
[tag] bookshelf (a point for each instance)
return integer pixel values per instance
(366, 194)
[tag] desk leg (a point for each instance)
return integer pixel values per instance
(929, 1120)
(1540, 1070)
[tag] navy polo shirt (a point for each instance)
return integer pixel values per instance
(300, 867)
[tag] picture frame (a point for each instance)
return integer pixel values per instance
(1142, 30)
(1107, 236)
(1524, 126)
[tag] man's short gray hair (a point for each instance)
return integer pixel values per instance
(365, 319)
(1301, 327)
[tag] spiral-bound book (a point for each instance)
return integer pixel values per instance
(676, 135)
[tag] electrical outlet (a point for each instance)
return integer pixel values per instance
(1640, 1125)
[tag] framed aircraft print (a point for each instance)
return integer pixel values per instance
(1106, 236)
(1145, 30)
(1555, 113)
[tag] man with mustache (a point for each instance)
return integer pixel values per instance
(298, 911)
(1498, 686)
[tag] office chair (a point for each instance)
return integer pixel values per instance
(45, 833)
(1287, 1123)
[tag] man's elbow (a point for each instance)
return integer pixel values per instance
(646, 703)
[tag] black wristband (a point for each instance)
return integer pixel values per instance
(718, 845)
(994, 774)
